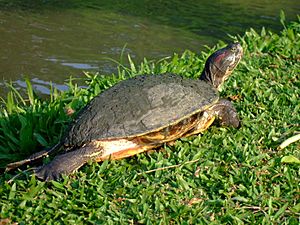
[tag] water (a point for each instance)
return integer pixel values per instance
(50, 45)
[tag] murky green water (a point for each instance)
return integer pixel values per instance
(50, 45)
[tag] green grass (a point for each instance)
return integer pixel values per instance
(223, 176)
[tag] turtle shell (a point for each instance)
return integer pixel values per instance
(140, 105)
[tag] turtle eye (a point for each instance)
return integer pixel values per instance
(233, 49)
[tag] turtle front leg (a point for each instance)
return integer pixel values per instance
(67, 163)
(225, 113)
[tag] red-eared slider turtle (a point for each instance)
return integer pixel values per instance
(142, 113)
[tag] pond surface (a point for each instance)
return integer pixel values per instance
(49, 45)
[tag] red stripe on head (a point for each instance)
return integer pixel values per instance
(219, 57)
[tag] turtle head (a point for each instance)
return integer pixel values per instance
(221, 63)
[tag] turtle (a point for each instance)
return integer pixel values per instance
(143, 113)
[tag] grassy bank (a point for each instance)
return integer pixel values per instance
(225, 175)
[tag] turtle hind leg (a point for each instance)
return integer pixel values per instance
(67, 163)
(225, 113)
(33, 158)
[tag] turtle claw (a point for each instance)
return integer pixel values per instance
(51, 171)
(43, 173)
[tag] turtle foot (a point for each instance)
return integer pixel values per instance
(226, 113)
(65, 164)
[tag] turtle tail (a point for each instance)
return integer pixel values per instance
(34, 157)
